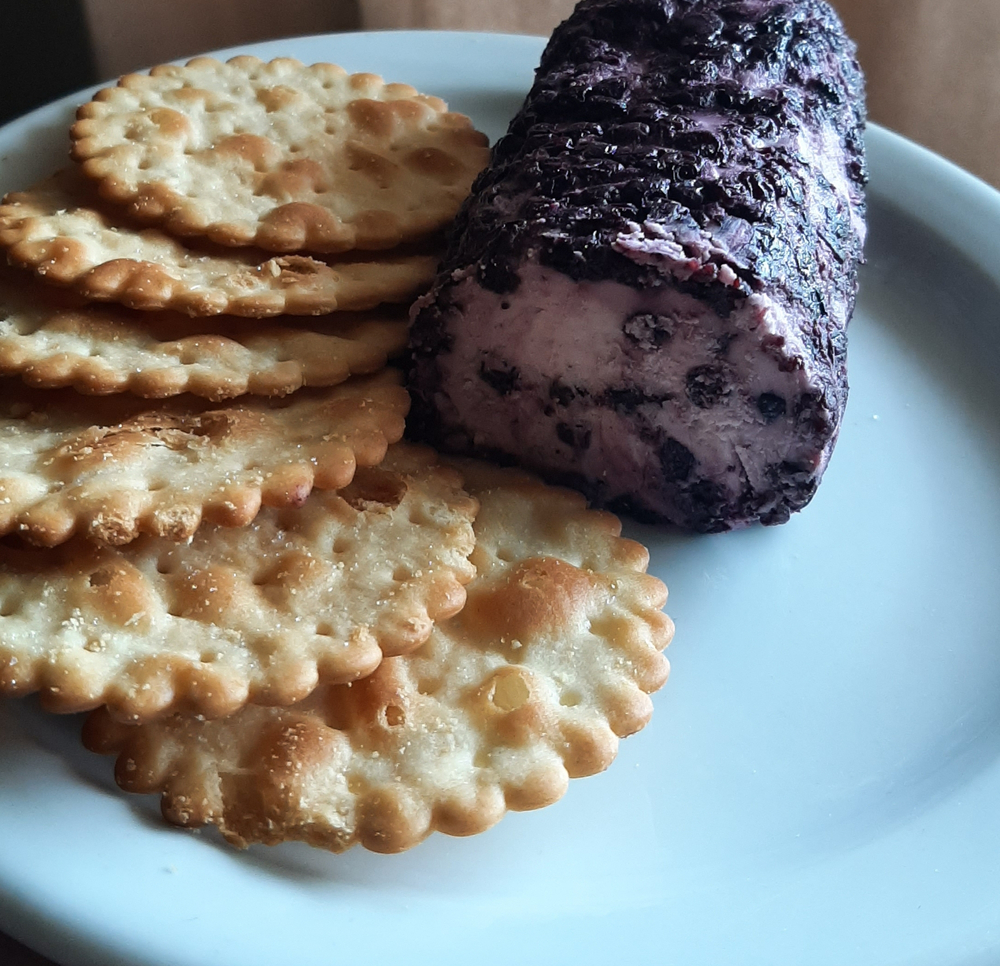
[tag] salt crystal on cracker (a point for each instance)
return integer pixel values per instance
(263, 613)
(550, 662)
(61, 231)
(278, 154)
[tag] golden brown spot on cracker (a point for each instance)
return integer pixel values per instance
(277, 98)
(171, 124)
(58, 259)
(409, 110)
(536, 596)
(337, 464)
(262, 153)
(199, 348)
(434, 103)
(384, 225)
(378, 168)
(392, 820)
(288, 486)
(469, 811)
(365, 82)
(589, 748)
(435, 163)
(297, 179)
(146, 284)
(541, 787)
(152, 202)
(234, 506)
(286, 752)
(292, 226)
(120, 592)
(291, 571)
(207, 595)
(215, 691)
(395, 89)
(375, 118)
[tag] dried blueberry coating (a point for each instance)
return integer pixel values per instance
(673, 225)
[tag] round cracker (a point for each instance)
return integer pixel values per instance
(113, 468)
(278, 154)
(60, 230)
(550, 662)
(263, 613)
(54, 339)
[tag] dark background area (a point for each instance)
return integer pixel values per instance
(46, 53)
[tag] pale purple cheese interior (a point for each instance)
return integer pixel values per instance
(583, 377)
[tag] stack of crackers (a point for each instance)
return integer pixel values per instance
(285, 620)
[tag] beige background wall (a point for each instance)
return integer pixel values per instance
(506, 16)
(128, 34)
(933, 70)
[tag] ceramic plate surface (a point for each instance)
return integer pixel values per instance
(820, 782)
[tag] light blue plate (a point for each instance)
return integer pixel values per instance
(819, 784)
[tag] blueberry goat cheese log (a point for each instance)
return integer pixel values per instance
(647, 294)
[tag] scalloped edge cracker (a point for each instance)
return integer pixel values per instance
(550, 662)
(53, 339)
(265, 613)
(113, 468)
(61, 231)
(278, 154)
